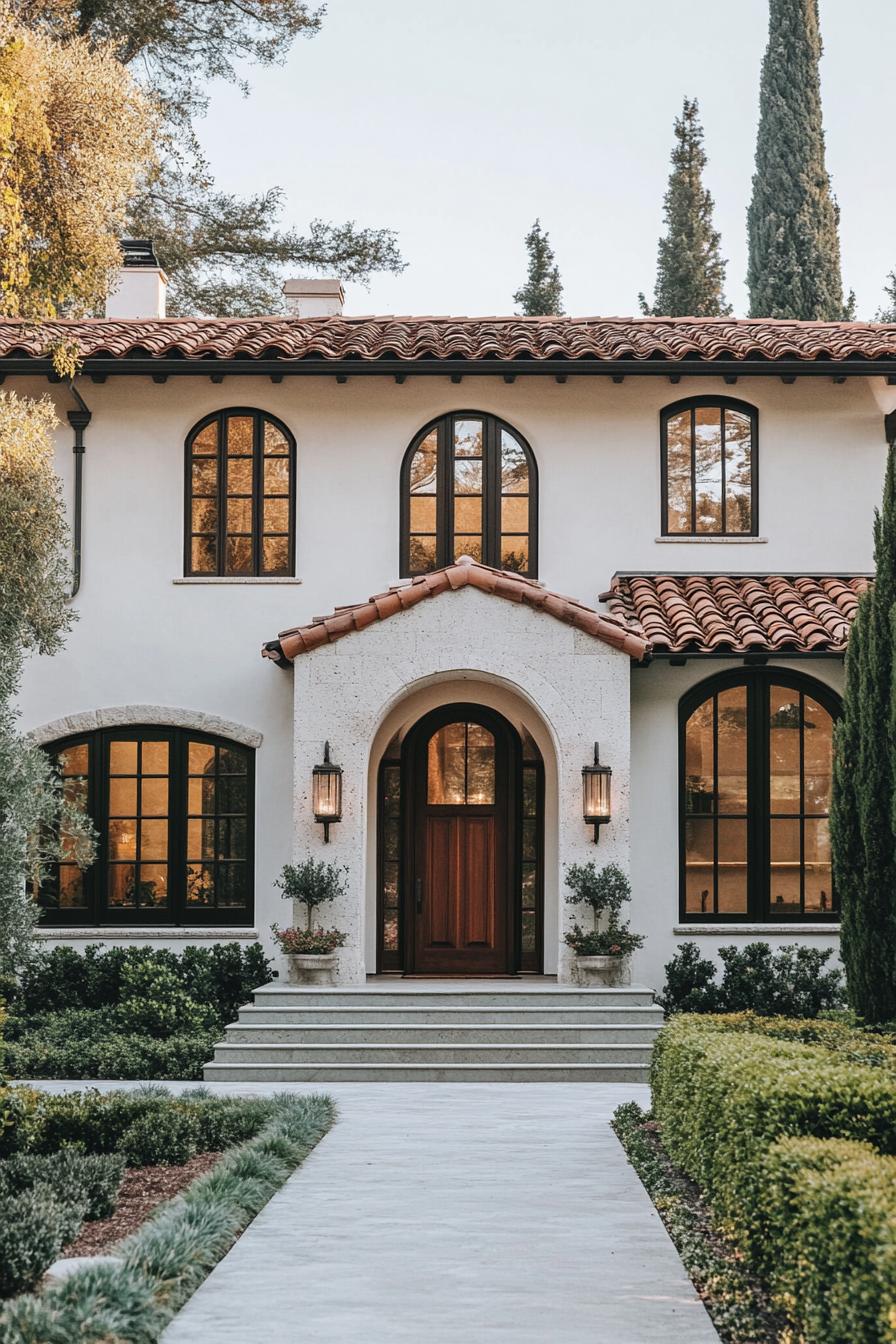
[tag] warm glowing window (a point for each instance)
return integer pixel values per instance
(240, 496)
(469, 488)
(173, 813)
(757, 752)
(709, 468)
(461, 766)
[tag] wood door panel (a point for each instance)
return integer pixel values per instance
(460, 873)
(476, 864)
(439, 883)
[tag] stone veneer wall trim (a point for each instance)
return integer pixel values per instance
(164, 716)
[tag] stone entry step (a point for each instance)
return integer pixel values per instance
(425, 1073)
(457, 1016)
(437, 1031)
(441, 1033)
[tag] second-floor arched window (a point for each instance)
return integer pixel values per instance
(469, 487)
(240, 505)
(709, 468)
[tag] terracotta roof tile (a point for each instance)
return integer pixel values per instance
(479, 338)
(464, 573)
(771, 613)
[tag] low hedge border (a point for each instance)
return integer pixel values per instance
(724, 1097)
(736, 1302)
(792, 1144)
(164, 1262)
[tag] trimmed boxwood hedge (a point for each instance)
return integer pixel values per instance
(792, 1144)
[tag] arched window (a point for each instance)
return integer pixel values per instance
(756, 755)
(469, 487)
(709, 468)
(240, 508)
(173, 810)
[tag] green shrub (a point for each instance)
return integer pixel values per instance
(166, 1137)
(221, 976)
(18, 1108)
(829, 1252)
(789, 982)
(225, 1122)
(85, 1044)
(154, 1003)
(855, 1044)
(91, 1178)
(723, 1098)
(33, 1229)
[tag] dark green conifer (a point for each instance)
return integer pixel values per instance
(793, 218)
(542, 294)
(690, 271)
(863, 809)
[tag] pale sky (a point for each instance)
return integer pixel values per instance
(456, 123)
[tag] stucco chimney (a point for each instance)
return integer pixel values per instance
(139, 289)
(314, 298)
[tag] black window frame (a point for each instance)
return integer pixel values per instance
(492, 425)
(178, 914)
(758, 682)
(258, 419)
(722, 404)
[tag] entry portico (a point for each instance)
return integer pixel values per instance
(546, 688)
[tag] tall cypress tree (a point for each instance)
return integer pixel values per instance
(690, 271)
(793, 218)
(542, 294)
(863, 808)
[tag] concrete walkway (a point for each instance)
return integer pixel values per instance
(455, 1214)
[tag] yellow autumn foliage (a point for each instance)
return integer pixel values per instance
(76, 133)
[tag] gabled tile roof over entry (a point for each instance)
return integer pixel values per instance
(737, 613)
(487, 339)
(463, 574)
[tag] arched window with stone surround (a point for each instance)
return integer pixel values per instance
(755, 763)
(174, 813)
(469, 486)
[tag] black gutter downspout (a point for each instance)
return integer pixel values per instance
(79, 420)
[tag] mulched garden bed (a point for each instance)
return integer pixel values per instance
(735, 1299)
(143, 1189)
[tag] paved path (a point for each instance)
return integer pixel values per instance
(455, 1214)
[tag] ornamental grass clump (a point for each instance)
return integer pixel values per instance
(605, 892)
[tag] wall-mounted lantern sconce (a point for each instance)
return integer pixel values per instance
(326, 792)
(596, 794)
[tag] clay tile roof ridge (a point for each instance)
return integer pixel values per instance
(464, 572)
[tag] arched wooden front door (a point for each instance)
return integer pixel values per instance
(461, 765)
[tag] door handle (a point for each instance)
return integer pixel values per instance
(418, 893)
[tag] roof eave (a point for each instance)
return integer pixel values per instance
(174, 364)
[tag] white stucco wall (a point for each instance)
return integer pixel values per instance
(145, 637)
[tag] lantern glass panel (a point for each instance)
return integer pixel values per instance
(327, 794)
(596, 791)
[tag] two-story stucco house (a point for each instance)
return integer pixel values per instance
(460, 552)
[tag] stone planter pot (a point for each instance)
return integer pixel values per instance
(307, 968)
(603, 971)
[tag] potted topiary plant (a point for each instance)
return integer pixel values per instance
(311, 952)
(602, 954)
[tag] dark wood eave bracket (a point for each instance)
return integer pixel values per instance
(561, 369)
